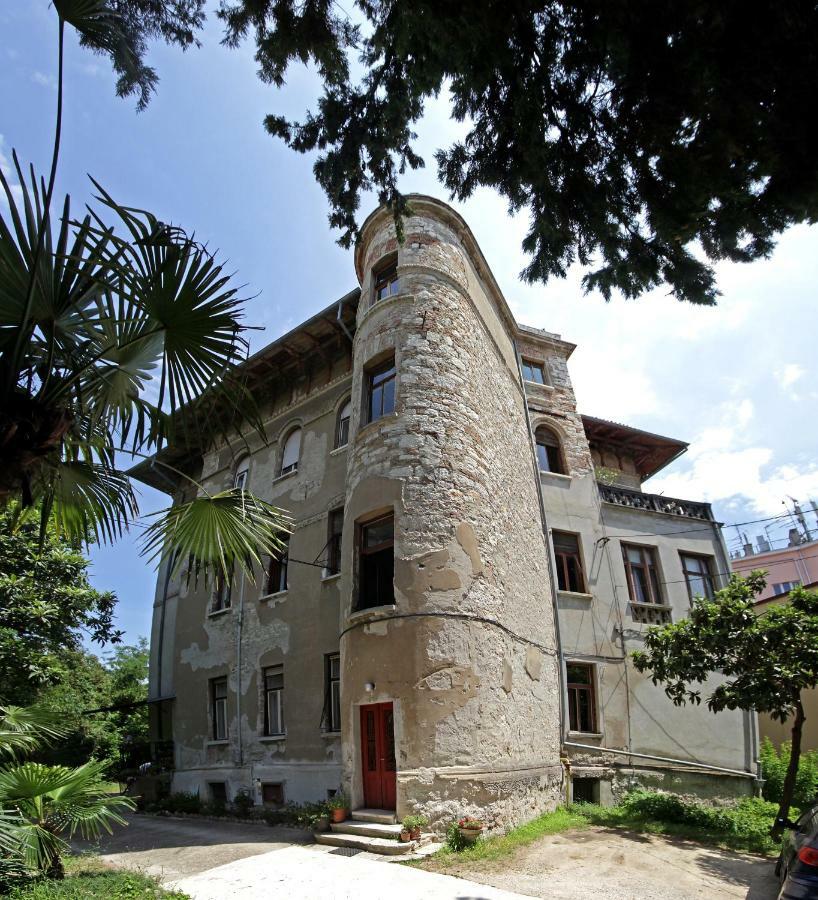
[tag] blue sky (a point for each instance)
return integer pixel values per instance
(738, 381)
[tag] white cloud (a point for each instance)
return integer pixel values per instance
(788, 374)
(5, 167)
(44, 80)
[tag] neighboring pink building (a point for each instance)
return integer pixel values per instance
(787, 567)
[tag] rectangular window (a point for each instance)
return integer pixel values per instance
(533, 371)
(785, 587)
(333, 692)
(218, 708)
(335, 527)
(579, 679)
(698, 575)
(643, 585)
(272, 793)
(381, 390)
(386, 282)
(277, 571)
(570, 576)
(273, 677)
(218, 792)
(221, 595)
(376, 565)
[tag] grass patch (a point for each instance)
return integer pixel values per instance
(500, 846)
(88, 878)
(744, 825)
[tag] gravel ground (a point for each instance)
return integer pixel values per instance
(621, 865)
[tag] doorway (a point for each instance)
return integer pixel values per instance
(378, 755)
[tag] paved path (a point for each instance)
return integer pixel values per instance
(303, 873)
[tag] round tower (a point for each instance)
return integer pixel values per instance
(449, 689)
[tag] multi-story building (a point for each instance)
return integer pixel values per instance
(470, 564)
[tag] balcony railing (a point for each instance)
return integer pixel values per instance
(688, 509)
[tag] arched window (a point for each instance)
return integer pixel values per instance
(292, 450)
(549, 452)
(342, 426)
(242, 471)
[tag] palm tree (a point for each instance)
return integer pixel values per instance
(39, 803)
(118, 336)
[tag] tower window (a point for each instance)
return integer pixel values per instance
(381, 390)
(386, 281)
(533, 371)
(376, 565)
(549, 452)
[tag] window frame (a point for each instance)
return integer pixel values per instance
(334, 541)
(385, 276)
(652, 573)
(562, 566)
(217, 702)
(241, 475)
(574, 689)
(533, 365)
(273, 784)
(362, 551)
(221, 598)
(332, 693)
(556, 460)
(267, 693)
(707, 577)
(343, 424)
(384, 367)
(290, 467)
(281, 566)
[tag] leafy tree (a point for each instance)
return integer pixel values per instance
(767, 660)
(47, 605)
(631, 132)
(94, 316)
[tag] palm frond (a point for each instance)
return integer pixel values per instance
(216, 534)
(23, 729)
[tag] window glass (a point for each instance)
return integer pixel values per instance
(277, 570)
(292, 450)
(581, 697)
(376, 563)
(242, 471)
(381, 388)
(386, 282)
(342, 431)
(549, 455)
(642, 573)
(335, 527)
(273, 700)
(698, 575)
(333, 692)
(218, 702)
(533, 371)
(221, 595)
(570, 576)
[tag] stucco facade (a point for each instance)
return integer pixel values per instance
(449, 694)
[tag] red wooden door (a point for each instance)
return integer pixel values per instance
(378, 755)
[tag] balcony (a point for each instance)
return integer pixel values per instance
(686, 509)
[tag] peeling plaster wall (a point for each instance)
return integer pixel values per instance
(467, 654)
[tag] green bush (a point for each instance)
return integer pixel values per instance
(243, 803)
(89, 886)
(774, 767)
(13, 873)
(181, 802)
(455, 840)
(296, 815)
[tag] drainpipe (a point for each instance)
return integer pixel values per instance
(339, 319)
(667, 759)
(239, 624)
(551, 568)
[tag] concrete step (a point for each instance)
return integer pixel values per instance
(367, 829)
(381, 816)
(384, 846)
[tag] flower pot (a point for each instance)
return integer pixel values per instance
(339, 815)
(469, 835)
(405, 836)
(415, 834)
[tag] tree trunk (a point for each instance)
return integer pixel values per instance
(56, 869)
(792, 771)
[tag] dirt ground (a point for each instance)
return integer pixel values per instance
(622, 865)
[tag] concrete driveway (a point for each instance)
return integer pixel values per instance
(220, 860)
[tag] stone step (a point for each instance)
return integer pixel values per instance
(384, 846)
(368, 829)
(381, 816)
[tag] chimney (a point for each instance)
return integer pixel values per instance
(748, 547)
(763, 544)
(794, 538)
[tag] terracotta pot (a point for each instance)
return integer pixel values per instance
(338, 815)
(470, 835)
(415, 834)
(405, 836)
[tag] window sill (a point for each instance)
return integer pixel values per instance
(373, 611)
(374, 425)
(278, 595)
(327, 579)
(339, 450)
(575, 595)
(556, 477)
(224, 743)
(285, 476)
(538, 386)
(330, 735)
(214, 614)
(586, 734)
(272, 738)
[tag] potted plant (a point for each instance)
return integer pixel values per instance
(405, 835)
(470, 829)
(338, 807)
(413, 825)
